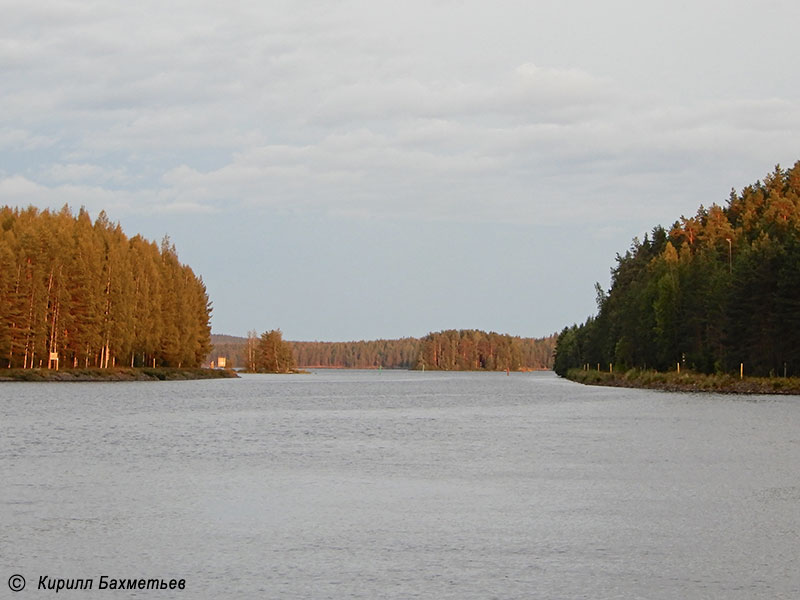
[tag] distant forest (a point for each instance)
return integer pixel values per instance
(390, 354)
(470, 350)
(446, 350)
(718, 290)
(74, 293)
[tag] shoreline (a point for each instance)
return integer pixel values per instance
(688, 382)
(114, 374)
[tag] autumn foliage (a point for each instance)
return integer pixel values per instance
(85, 294)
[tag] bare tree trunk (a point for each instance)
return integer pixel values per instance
(107, 322)
(53, 346)
(14, 324)
(28, 347)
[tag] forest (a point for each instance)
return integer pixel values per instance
(445, 350)
(389, 354)
(718, 292)
(76, 293)
(472, 350)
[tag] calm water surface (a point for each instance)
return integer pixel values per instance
(400, 485)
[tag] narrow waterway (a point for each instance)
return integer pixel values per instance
(401, 485)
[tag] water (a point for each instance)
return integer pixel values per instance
(400, 485)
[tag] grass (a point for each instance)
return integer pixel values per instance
(114, 374)
(688, 381)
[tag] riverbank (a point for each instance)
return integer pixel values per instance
(115, 374)
(688, 382)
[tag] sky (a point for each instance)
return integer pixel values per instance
(349, 170)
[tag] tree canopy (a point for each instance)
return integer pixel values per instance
(716, 290)
(268, 353)
(473, 350)
(86, 294)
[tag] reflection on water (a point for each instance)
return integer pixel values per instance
(402, 484)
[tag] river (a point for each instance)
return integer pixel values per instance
(394, 484)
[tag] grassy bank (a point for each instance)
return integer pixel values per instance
(688, 382)
(115, 374)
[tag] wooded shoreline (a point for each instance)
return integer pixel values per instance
(711, 293)
(687, 382)
(77, 294)
(114, 374)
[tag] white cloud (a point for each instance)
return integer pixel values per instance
(16, 139)
(17, 190)
(435, 110)
(83, 172)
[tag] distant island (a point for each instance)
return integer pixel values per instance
(450, 350)
(268, 353)
(717, 294)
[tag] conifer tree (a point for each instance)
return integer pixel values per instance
(85, 293)
(723, 291)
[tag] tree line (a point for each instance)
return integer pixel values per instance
(717, 292)
(390, 354)
(473, 350)
(77, 293)
(445, 350)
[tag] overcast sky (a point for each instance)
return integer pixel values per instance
(363, 169)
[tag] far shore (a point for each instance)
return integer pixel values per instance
(688, 382)
(115, 374)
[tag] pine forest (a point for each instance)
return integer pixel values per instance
(77, 293)
(718, 292)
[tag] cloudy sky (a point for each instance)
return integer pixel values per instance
(363, 169)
